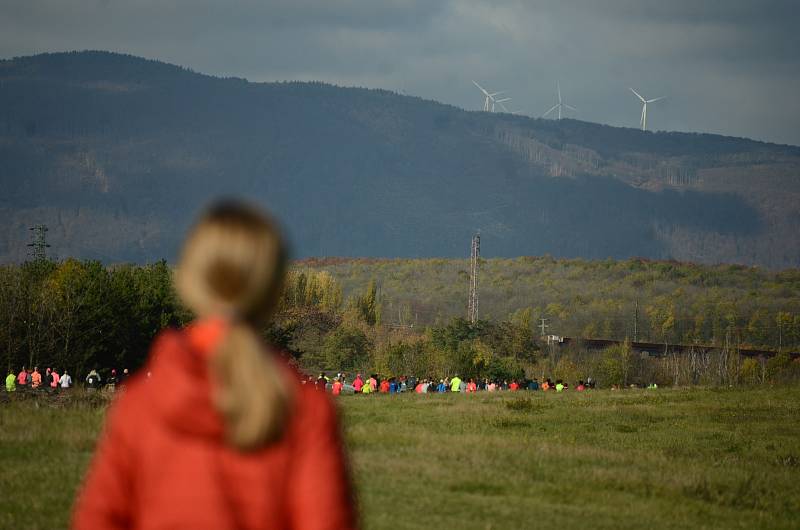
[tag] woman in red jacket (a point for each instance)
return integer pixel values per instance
(222, 435)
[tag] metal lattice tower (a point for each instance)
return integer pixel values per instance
(475, 255)
(38, 245)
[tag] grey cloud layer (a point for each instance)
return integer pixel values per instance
(727, 67)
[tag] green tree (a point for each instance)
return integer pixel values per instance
(346, 349)
(615, 365)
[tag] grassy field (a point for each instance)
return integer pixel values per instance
(699, 458)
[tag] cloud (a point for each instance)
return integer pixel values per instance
(729, 68)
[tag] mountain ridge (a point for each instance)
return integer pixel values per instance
(95, 142)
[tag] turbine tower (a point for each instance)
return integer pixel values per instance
(558, 106)
(643, 119)
(489, 101)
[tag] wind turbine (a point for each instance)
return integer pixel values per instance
(500, 102)
(488, 103)
(643, 119)
(558, 105)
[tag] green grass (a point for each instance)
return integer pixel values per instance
(45, 445)
(701, 458)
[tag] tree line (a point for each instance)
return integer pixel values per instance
(79, 315)
(654, 301)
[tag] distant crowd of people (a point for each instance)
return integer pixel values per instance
(28, 379)
(340, 384)
(33, 379)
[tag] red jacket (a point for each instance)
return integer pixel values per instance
(162, 462)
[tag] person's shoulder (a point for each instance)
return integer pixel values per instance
(167, 338)
(294, 378)
(312, 409)
(133, 394)
(288, 368)
(129, 410)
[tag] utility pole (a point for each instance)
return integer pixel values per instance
(472, 307)
(544, 325)
(636, 322)
(38, 245)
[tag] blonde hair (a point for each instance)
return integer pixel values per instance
(233, 265)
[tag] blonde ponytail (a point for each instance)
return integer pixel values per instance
(251, 395)
(233, 265)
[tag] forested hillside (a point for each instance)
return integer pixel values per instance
(402, 317)
(116, 154)
(651, 301)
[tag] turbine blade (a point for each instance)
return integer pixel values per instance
(656, 99)
(481, 88)
(637, 95)
(570, 107)
(554, 107)
(558, 85)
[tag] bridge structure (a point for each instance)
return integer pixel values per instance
(656, 349)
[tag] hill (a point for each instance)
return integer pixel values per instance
(116, 154)
(652, 301)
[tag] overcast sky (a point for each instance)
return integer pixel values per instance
(726, 66)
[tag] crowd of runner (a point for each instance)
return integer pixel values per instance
(340, 384)
(28, 379)
(33, 379)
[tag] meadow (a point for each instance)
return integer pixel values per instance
(667, 458)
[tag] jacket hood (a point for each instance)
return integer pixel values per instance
(180, 385)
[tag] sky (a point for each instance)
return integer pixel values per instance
(727, 66)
